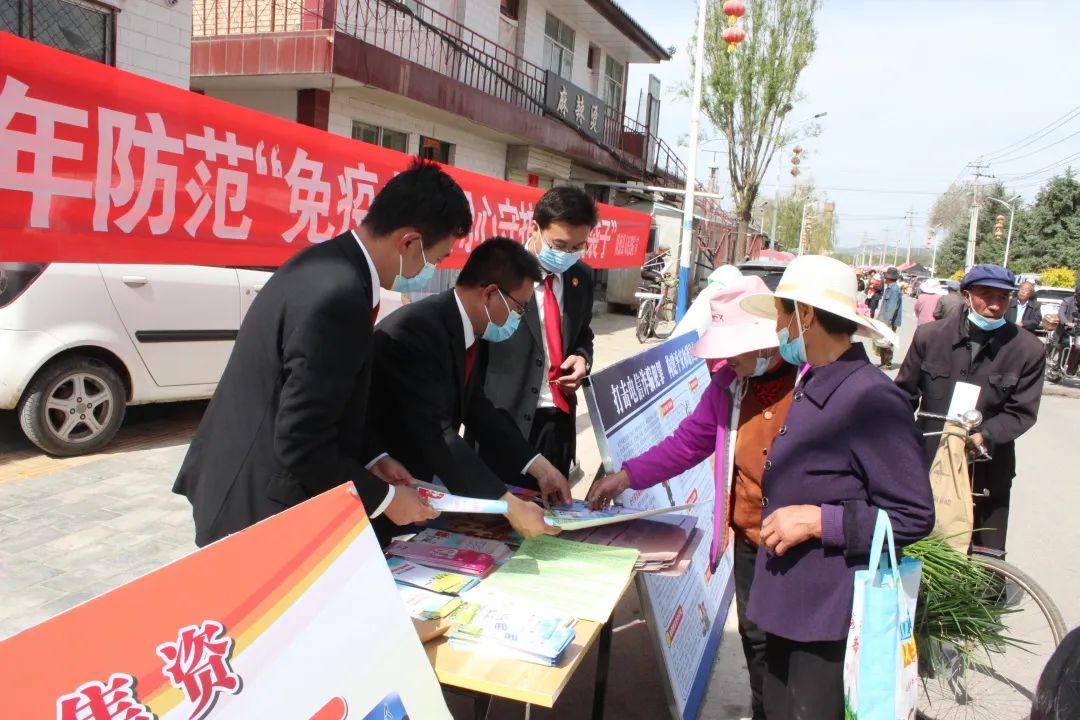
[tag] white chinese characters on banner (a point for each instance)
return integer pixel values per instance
(99, 165)
(43, 146)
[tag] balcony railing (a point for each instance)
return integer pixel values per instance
(418, 33)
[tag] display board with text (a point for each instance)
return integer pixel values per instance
(634, 405)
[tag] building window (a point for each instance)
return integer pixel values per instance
(437, 150)
(392, 139)
(592, 60)
(509, 8)
(77, 26)
(558, 47)
(613, 83)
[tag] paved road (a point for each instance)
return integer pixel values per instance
(72, 529)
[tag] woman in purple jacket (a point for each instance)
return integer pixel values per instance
(849, 447)
(751, 391)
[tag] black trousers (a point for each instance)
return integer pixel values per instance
(554, 435)
(753, 637)
(805, 681)
(991, 513)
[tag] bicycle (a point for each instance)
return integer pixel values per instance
(998, 681)
(656, 308)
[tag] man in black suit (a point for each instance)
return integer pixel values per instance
(1024, 309)
(288, 419)
(428, 382)
(534, 375)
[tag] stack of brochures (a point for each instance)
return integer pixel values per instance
(499, 552)
(440, 557)
(665, 545)
(516, 634)
(427, 605)
(441, 581)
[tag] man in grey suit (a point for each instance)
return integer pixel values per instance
(534, 375)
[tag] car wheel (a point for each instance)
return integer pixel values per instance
(74, 406)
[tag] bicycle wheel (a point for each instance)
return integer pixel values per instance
(999, 683)
(665, 321)
(645, 320)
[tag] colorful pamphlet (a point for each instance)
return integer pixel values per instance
(441, 557)
(498, 551)
(440, 581)
(444, 501)
(487, 527)
(533, 637)
(578, 516)
(427, 605)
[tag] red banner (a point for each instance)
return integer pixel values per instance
(99, 165)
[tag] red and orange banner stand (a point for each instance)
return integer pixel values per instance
(296, 618)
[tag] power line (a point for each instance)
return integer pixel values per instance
(1039, 150)
(1035, 136)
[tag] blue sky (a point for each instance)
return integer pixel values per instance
(914, 91)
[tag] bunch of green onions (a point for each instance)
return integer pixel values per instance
(958, 605)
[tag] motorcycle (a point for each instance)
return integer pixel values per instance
(1062, 352)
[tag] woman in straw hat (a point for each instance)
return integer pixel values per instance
(849, 447)
(751, 391)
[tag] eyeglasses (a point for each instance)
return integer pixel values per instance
(511, 298)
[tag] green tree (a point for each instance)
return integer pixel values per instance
(789, 221)
(1048, 234)
(748, 94)
(988, 249)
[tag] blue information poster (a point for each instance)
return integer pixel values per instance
(635, 404)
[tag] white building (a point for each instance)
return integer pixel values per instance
(148, 37)
(473, 83)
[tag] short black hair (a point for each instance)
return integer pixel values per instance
(423, 197)
(499, 261)
(568, 204)
(832, 324)
(1058, 692)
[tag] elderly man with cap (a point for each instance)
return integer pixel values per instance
(952, 303)
(979, 347)
(889, 312)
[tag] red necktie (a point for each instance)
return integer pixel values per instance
(470, 361)
(553, 335)
(374, 315)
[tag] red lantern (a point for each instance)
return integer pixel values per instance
(795, 160)
(794, 172)
(797, 149)
(734, 9)
(733, 36)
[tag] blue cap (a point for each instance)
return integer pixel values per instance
(993, 276)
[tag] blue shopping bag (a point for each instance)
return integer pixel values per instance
(881, 667)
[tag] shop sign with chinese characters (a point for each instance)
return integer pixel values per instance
(584, 111)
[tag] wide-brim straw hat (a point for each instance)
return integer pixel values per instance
(733, 331)
(824, 283)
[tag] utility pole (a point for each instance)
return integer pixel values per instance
(686, 239)
(910, 228)
(973, 231)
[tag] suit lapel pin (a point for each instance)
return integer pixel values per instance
(574, 282)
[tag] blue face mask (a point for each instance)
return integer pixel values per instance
(760, 366)
(497, 333)
(417, 282)
(793, 351)
(984, 323)
(557, 261)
